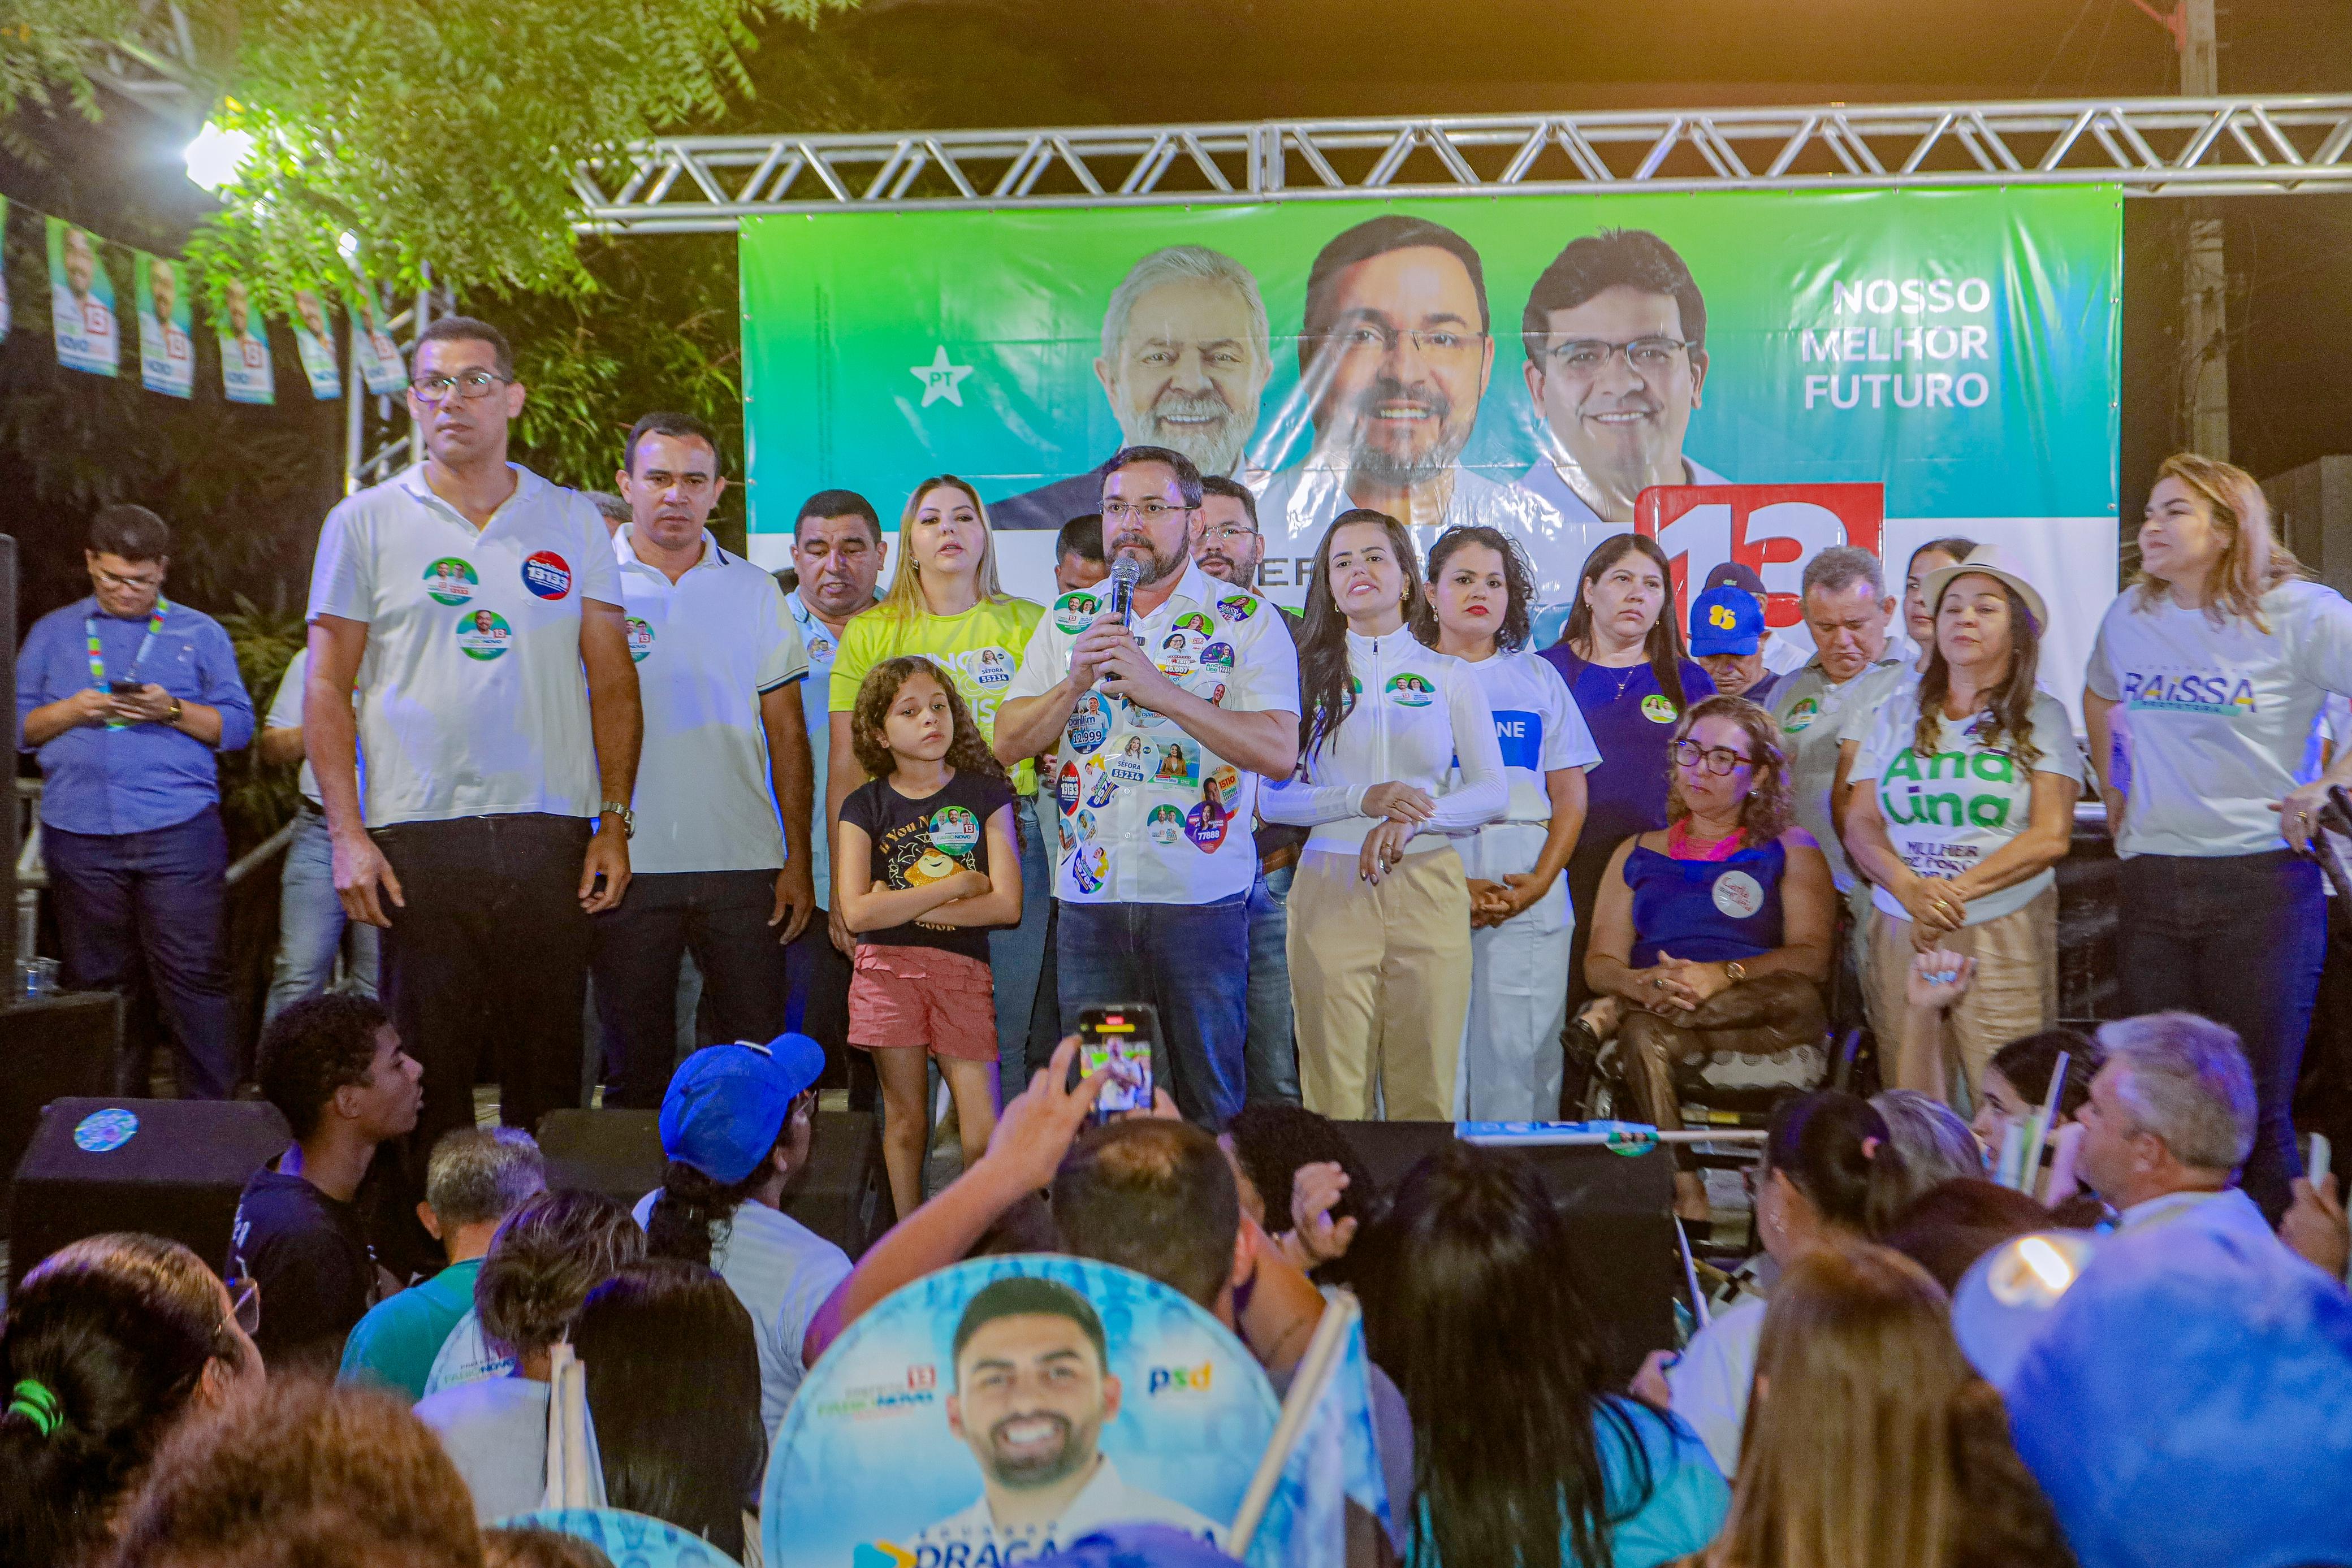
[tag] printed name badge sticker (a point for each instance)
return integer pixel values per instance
(637, 1540)
(1739, 895)
(909, 1445)
(450, 581)
(484, 634)
(547, 574)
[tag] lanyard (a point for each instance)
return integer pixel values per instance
(97, 655)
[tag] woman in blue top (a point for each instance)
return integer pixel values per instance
(1622, 657)
(1714, 935)
(1523, 1456)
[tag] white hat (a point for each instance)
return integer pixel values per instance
(1987, 560)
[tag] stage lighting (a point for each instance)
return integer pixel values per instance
(215, 155)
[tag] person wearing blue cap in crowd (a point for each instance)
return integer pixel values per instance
(736, 1123)
(1785, 651)
(1727, 637)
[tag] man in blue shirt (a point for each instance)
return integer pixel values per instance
(127, 697)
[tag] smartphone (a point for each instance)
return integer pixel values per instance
(2315, 1156)
(1121, 1037)
(123, 688)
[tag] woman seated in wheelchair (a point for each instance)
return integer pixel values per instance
(1715, 934)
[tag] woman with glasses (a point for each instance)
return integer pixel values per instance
(945, 605)
(1714, 934)
(1621, 655)
(1963, 802)
(108, 1341)
(1380, 911)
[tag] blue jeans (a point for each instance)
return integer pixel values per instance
(158, 895)
(2240, 939)
(1016, 955)
(1189, 960)
(1273, 1048)
(311, 925)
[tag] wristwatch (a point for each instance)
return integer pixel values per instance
(1734, 971)
(175, 712)
(628, 817)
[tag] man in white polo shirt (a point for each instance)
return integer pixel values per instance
(473, 611)
(1161, 756)
(721, 854)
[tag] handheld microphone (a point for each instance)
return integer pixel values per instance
(1124, 575)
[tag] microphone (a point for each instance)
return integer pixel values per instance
(1124, 575)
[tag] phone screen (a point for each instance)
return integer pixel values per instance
(123, 688)
(1121, 1039)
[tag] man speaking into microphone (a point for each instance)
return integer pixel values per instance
(1160, 753)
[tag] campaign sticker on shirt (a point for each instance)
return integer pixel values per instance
(992, 669)
(1217, 656)
(1090, 868)
(1224, 786)
(1193, 620)
(1236, 607)
(1106, 785)
(484, 634)
(1410, 690)
(1165, 824)
(641, 639)
(1659, 709)
(1089, 724)
(103, 1132)
(1212, 691)
(954, 828)
(1083, 824)
(1175, 656)
(1068, 790)
(1205, 825)
(1132, 763)
(1739, 895)
(819, 648)
(450, 581)
(1802, 716)
(547, 574)
(1179, 763)
(1143, 717)
(1069, 839)
(1075, 611)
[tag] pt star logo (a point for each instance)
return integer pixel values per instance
(940, 379)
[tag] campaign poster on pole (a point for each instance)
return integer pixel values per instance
(314, 340)
(998, 1410)
(245, 374)
(81, 302)
(1533, 363)
(380, 365)
(167, 354)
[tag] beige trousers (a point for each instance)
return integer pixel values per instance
(2015, 994)
(1380, 981)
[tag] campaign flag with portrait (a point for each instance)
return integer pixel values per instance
(167, 351)
(1533, 363)
(245, 373)
(380, 365)
(314, 340)
(81, 302)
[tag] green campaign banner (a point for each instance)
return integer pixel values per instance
(1533, 363)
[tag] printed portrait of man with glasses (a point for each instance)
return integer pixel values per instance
(1615, 330)
(1394, 355)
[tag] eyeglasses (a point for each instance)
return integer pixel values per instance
(245, 1303)
(116, 580)
(1228, 533)
(1585, 357)
(469, 385)
(1436, 343)
(1146, 512)
(1720, 760)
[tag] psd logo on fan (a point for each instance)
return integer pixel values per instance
(1179, 1379)
(1772, 530)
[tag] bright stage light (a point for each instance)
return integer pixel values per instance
(215, 155)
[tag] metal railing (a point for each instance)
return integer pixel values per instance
(2149, 147)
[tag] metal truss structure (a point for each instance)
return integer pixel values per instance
(404, 439)
(2150, 147)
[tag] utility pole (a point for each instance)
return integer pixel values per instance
(2204, 276)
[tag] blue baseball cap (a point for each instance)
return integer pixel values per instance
(1725, 621)
(727, 1103)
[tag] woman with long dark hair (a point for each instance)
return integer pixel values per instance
(1872, 1441)
(1379, 909)
(1963, 801)
(1521, 929)
(1522, 1456)
(674, 1391)
(1622, 657)
(110, 1341)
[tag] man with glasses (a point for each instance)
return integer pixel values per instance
(1615, 332)
(496, 819)
(1394, 355)
(1156, 861)
(128, 698)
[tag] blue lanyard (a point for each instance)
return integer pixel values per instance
(146, 644)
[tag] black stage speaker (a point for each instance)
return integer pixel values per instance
(50, 1048)
(170, 1168)
(1619, 1213)
(843, 1195)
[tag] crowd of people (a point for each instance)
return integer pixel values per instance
(574, 820)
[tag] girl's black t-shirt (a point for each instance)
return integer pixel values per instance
(916, 843)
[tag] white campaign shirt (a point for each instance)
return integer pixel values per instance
(1945, 813)
(1105, 1500)
(1419, 719)
(1537, 728)
(1813, 711)
(472, 701)
(1147, 815)
(707, 647)
(816, 713)
(2219, 720)
(782, 1271)
(286, 712)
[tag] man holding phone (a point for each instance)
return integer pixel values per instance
(128, 697)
